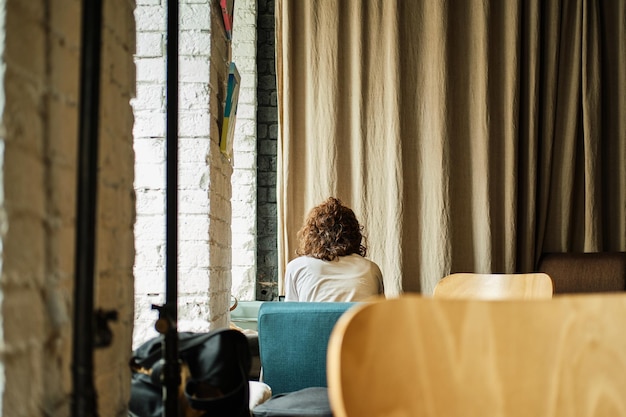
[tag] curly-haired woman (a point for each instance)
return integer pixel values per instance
(331, 265)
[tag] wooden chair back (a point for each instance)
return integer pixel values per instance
(419, 356)
(494, 286)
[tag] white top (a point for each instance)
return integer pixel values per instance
(347, 278)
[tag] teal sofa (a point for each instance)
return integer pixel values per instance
(293, 338)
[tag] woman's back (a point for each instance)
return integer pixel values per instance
(346, 278)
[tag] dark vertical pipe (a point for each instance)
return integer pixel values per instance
(171, 366)
(84, 396)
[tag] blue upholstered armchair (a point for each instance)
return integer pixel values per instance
(293, 339)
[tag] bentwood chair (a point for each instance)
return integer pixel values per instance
(494, 286)
(417, 356)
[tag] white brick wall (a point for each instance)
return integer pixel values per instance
(39, 99)
(204, 259)
(244, 150)
(39, 88)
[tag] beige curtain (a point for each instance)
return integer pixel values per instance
(467, 135)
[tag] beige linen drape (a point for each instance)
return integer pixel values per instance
(466, 135)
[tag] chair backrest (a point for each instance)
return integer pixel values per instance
(293, 339)
(420, 356)
(494, 286)
(585, 272)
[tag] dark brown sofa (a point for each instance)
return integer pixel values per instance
(585, 272)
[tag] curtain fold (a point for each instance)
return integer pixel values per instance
(466, 135)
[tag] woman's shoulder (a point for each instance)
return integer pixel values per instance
(355, 257)
(373, 265)
(301, 261)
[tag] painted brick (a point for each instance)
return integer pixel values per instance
(150, 45)
(194, 69)
(194, 16)
(203, 192)
(150, 18)
(40, 116)
(247, 129)
(63, 62)
(193, 96)
(148, 150)
(62, 125)
(194, 43)
(151, 69)
(194, 124)
(150, 97)
(193, 201)
(149, 124)
(30, 31)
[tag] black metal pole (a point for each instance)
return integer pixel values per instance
(84, 403)
(171, 372)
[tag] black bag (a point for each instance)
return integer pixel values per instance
(214, 375)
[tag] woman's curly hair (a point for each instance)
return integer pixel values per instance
(331, 230)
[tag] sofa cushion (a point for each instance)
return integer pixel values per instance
(585, 272)
(307, 402)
